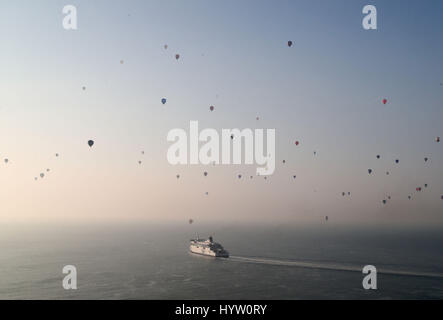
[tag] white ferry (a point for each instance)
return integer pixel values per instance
(208, 248)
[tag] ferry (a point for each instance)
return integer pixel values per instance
(208, 247)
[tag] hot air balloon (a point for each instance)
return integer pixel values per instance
(56, 154)
(42, 175)
(205, 173)
(426, 185)
(257, 118)
(384, 201)
(409, 197)
(297, 143)
(426, 159)
(369, 171)
(191, 221)
(84, 88)
(397, 161)
(284, 161)
(164, 100)
(6, 160)
(387, 173)
(211, 108)
(177, 56)
(442, 197)
(294, 176)
(178, 176)
(289, 43)
(47, 170)
(389, 197)
(349, 193)
(343, 194)
(384, 101)
(232, 136)
(165, 46)
(437, 139)
(378, 156)
(239, 176)
(326, 218)
(315, 152)
(90, 143)
(139, 162)
(35, 178)
(418, 189)
(206, 192)
(121, 61)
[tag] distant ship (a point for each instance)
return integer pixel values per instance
(208, 248)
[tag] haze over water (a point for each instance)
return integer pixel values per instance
(116, 208)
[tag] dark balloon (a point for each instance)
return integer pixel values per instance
(191, 221)
(397, 161)
(177, 56)
(164, 100)
(56, 154)
(378, 156)
(205, 173)
(165, 46)
(284, 161)
(289, 43)
(232, 136)
(6, 160)
(343, 194)
(426, 159)
(178, 176)
(90, 143)
(326, 218)
(47, 170)
(426, 185)
(294, 177)
(387, 173)
(139, 162)
(409, 197)
(239, 176)
(437, 139)
(369, 171)
(211, 108)
(42, 175)
(384, 201)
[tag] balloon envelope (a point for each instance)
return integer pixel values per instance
(164, 100)
(289, 43)
(90, 143)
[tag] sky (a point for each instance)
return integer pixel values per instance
(325, 91)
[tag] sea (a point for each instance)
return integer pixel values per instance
(152, 261)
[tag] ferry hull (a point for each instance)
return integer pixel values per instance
(207, 252)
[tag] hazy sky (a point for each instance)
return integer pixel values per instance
(324, 91)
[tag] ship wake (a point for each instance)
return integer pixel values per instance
(331, 266)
